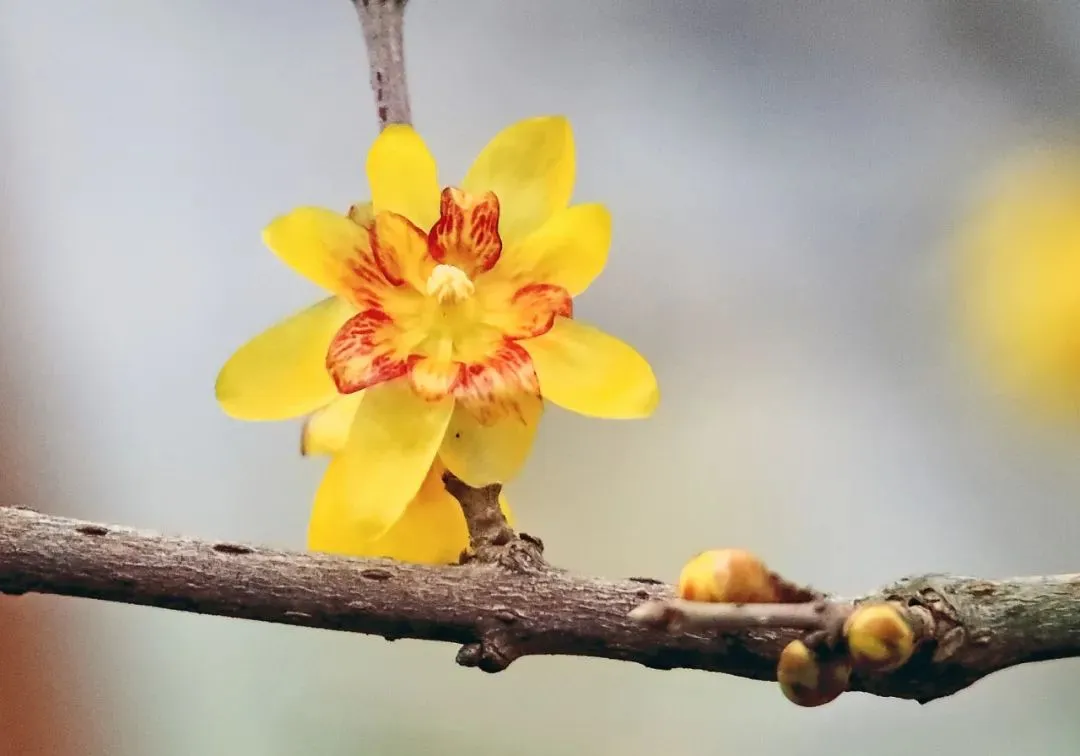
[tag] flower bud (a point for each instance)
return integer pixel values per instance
(879, 638)
(728, 576)
(808, 681)
(361, 213)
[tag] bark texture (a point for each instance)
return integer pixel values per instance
(501, 610)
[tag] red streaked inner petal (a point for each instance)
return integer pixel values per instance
(519, 309)
(533, 309)
(385, 272)
(434, 378)
(366, 350)
(366, 285)
(387, 261)
(493, 386)
(467, 232)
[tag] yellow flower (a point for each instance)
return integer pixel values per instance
(451, 314)
(431, 530)
(1020, 278)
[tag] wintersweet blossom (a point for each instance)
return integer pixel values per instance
(450, 320)
(1019, 282)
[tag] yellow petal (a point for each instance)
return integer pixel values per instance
(530, 166)
(584, 370)
(327, 430)
(319, 244)
(492, 448)
(508, 513)
(403, 176)
(570, 250)
(431, 531)
(390, 449)
(281, 373)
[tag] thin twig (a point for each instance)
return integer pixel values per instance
(973, 627)
(678, 614)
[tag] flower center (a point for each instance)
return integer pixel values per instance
(449, 284)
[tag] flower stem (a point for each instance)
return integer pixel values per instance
(483, 515)
(491, 539)
(383, 24)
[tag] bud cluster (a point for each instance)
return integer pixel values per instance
(875, 638)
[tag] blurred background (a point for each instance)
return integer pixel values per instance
(787, 181)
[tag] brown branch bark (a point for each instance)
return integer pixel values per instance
(968, 629)
(383, 25)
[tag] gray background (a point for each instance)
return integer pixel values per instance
(782, 176)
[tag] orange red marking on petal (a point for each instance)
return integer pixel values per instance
(467, 232)
(369, 281)
(534, 308)
(363, 353)
(377, 268)
(386, 260)
(400, 249)
(433, 379)
(490, 388)
(367, 350)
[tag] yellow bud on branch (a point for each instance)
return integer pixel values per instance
(727, 576)
(806, 680)
(879, 637)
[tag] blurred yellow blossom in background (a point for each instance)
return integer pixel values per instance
(1019, 252)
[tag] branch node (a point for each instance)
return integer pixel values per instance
(494, 652)
(231, 548)
(534, 540)
(92, 530)
(949, 643)
(655, 614)
(376, 573)
(506, 615)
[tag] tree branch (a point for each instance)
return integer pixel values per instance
(383, 24)
(968, 628)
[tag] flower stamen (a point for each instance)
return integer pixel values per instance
(449, 284)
